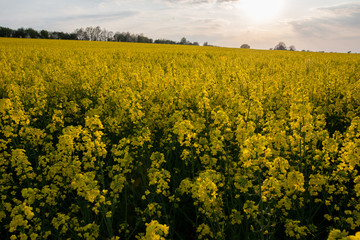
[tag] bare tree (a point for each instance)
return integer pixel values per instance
(110, 36)
(103, 35)
(245, 45)
(81, 34)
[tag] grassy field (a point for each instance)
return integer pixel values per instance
(103, 140)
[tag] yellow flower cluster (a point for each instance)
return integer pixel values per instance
(123, 141)
(159, 176)
(155, 231)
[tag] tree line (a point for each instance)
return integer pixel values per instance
(282, 46)
(89, 34)
(31, 33)
(101, 34)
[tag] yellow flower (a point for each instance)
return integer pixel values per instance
(155, 231)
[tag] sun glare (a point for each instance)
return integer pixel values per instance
(262, 10)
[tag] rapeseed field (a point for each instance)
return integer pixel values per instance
(103, 140)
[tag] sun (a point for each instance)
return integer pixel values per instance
(262, 10)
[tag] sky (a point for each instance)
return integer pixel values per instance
(315, 25)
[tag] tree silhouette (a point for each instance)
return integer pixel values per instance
(44, 34)
(245, 45)
(292, 48)
(6, 32)
(280, 46)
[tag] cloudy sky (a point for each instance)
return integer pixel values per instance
(318, 25)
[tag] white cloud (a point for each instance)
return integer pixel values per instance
(330, 22)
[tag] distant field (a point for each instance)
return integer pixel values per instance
(103, 140)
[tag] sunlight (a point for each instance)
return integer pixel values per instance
(262, 10)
